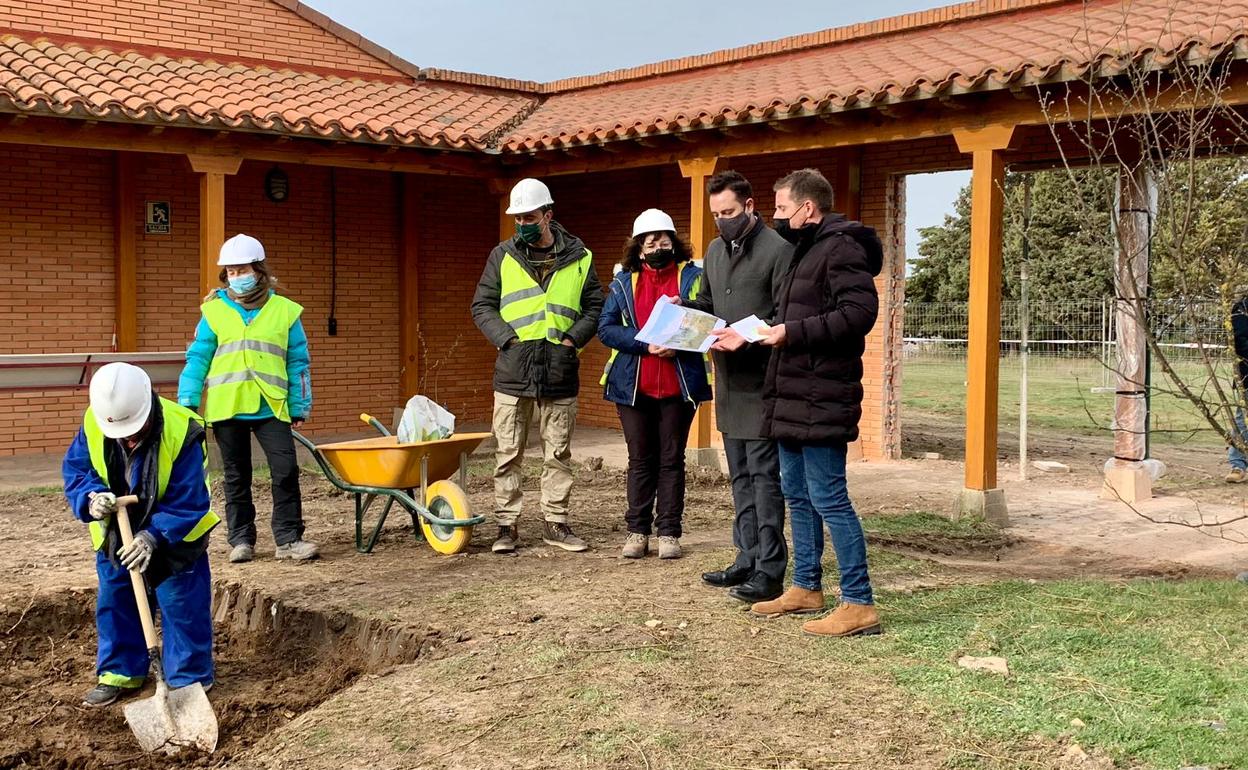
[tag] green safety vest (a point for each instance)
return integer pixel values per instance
(693, 294)
(535, 313)
(250, 361)
(177, 421)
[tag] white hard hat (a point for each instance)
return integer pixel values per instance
(121, 399)
(529, 195)
(240, 250)
(653, 221)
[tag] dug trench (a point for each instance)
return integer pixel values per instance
(274, 661)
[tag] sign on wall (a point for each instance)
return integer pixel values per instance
(158, 218)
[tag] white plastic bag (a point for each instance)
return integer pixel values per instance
(423, 420)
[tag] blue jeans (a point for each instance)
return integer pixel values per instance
(813, 480)
(1236, 457)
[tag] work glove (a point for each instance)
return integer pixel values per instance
(103, 505)
(136, 556)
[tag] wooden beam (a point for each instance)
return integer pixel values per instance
(702, 231)
(984, 332)
(67, 132)
(409, 289)
(125, 257)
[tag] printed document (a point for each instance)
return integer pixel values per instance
(679, 328)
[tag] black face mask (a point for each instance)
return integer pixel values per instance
(795, 235)
(733, 228)
(660, 258)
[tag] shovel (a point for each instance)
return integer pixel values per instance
(170, 720)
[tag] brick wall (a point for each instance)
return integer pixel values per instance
(56, 249)
(259, 29)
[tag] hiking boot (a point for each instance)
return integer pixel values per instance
(846, 620)
(105, 694)
(795, 601)
(508, 538)
(669, 547)
(635, 546)
(1236, 476)
(560, 536)
(242, 552)
(300, 550)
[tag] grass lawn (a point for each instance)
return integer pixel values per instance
(1145, 670)
(1059, 396)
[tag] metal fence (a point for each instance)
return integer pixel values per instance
(1067, 364)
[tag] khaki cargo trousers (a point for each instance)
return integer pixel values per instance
(556, 419)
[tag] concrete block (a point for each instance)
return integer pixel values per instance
(707, 457)
(988, 505)
(1050, 466)
(1129, 482)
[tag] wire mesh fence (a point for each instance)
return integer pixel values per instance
(1069, 348)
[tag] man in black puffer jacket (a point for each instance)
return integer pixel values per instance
(813, 396)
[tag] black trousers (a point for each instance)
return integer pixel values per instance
(234, 441)
(758, 529)
(656, 431)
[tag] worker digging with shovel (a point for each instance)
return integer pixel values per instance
(135, 443)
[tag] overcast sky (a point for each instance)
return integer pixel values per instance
(558, 38)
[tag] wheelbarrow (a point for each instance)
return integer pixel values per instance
(381, 467)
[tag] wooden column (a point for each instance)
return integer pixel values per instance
(125, 258)
(701, 232)
(847, 186)
(981, 497)
(212, 170)
(501, 189)
(409, 289)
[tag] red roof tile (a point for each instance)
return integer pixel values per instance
(969, 47)
(117, 81)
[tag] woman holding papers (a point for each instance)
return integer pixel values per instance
(656, 390)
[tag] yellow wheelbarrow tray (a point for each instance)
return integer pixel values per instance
(382, 467)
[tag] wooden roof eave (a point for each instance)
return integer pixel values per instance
(52, 129)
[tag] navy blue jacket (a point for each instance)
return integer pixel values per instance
(618, 327)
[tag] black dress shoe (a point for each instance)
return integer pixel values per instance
(727, 578)
(758, 588)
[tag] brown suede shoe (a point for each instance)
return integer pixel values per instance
(795, 601)
(846, 620)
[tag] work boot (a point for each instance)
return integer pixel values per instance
(846, 620)
(795, 601)
(507, 539)
(106, 694)
(300, 550)
(242, 552)
(560, 535)
(1236, 476)
(727, 578)
(669, 547)
(759, 588)
(635, 546)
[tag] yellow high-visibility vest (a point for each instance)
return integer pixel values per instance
(250, 361)
(177, 421)
(535, 313)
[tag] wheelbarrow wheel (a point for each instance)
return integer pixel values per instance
(446, 500)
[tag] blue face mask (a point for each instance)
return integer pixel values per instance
(243, 284)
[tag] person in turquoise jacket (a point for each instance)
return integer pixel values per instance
(250, 352)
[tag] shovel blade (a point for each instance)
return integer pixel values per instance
(172, 720)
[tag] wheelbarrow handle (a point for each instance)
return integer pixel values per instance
(136, 578)
(371, 420)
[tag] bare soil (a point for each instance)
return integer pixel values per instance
(404, 658)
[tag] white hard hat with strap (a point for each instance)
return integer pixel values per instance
(121, 399)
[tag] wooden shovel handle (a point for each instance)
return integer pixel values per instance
(136, 578)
